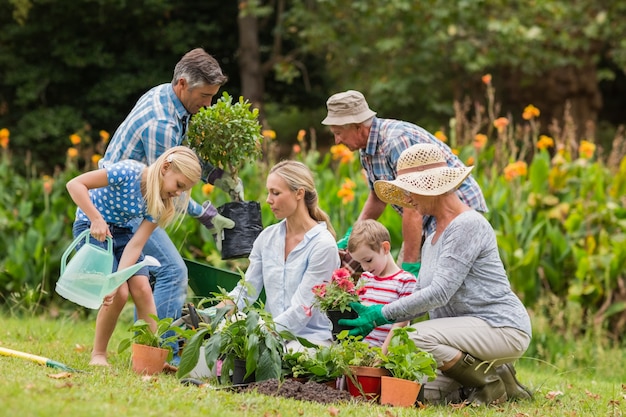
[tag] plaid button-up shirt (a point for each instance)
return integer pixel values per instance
(388, 138)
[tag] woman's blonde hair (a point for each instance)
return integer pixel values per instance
(180, 159)
(297, 175)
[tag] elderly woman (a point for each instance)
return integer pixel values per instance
(477, 326)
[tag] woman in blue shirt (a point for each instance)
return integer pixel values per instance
(289, 258)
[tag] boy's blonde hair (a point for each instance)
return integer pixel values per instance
(370, 233)
(183, 160)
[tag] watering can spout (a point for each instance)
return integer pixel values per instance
(114, 280)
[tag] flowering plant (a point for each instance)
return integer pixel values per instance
(338, 293)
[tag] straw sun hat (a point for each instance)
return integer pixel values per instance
(421, 169)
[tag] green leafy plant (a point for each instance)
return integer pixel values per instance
(338, 293)
(142, 334)
(226, 134)
(321, 364)
(248, 334)
(354, 351)
(405, 360)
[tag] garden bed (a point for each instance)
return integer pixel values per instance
(290, 388)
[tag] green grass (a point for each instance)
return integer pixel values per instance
(28, 389)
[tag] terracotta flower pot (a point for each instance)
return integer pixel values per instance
(365, 381)
(148, 360)
(398, 392)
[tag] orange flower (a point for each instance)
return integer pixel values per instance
(500, 123)
(296, 148)
(530, 112)
(269, 134)
(207, 189)
(441, 136)
(455, 151)
(342, 152)
(346, 192)
(72, 152)
(480, 141)
(586, 149)
(4, 138)
(515, 169)
(75, 139)
(545, 142)
(486, 79)
(95, 158)
(301, 135)
(470, 161)
(48, 182)
(104, 136)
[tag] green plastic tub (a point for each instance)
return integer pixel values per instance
(205, 279)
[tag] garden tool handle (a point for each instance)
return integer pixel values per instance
(83, 235)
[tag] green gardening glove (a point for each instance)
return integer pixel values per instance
(343, 242)
(412, 267)
(370, 317)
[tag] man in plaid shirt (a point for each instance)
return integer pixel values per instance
(156, 123)
(380, 143)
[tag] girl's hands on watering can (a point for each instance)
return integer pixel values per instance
(99, 229)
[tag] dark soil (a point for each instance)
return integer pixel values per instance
(290, 388)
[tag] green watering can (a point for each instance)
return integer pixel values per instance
(88, 276)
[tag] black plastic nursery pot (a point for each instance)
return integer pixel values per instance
(238, 241)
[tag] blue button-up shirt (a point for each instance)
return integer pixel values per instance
(155, 124)
(386, 141)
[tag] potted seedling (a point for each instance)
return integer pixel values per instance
(322, 364)
(151, 349)
(363, 361)
(409, 367)
(227, 135)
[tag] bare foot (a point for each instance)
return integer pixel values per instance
(98, 359)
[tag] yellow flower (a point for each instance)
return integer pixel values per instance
(75, 139)
(515, 169)
(586, 149)
(4, 138)
(72, 152)
(342, 152)
(346, 192)
(301, 135)
(470, 161)
(207, 189)
(269, 134)
(104, 136)
(480, 141)
(486, 79)
(455, 151)
(500, 123)
(530, 112)
(545, 142)
(95, 158)
(441, 136)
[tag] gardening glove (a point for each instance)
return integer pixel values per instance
(412, 267)
(210, 173)
(343, 242)
(231, 185)
(370, 317)
(215, 222)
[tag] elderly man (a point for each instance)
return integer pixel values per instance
(380, 143)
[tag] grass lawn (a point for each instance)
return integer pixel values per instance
(28, 389)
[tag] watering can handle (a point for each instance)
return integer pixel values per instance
(84, 235)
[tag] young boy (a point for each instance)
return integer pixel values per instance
(369, 244)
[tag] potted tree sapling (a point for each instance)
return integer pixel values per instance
(409, 367)
(227, 135)
(364, 365)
